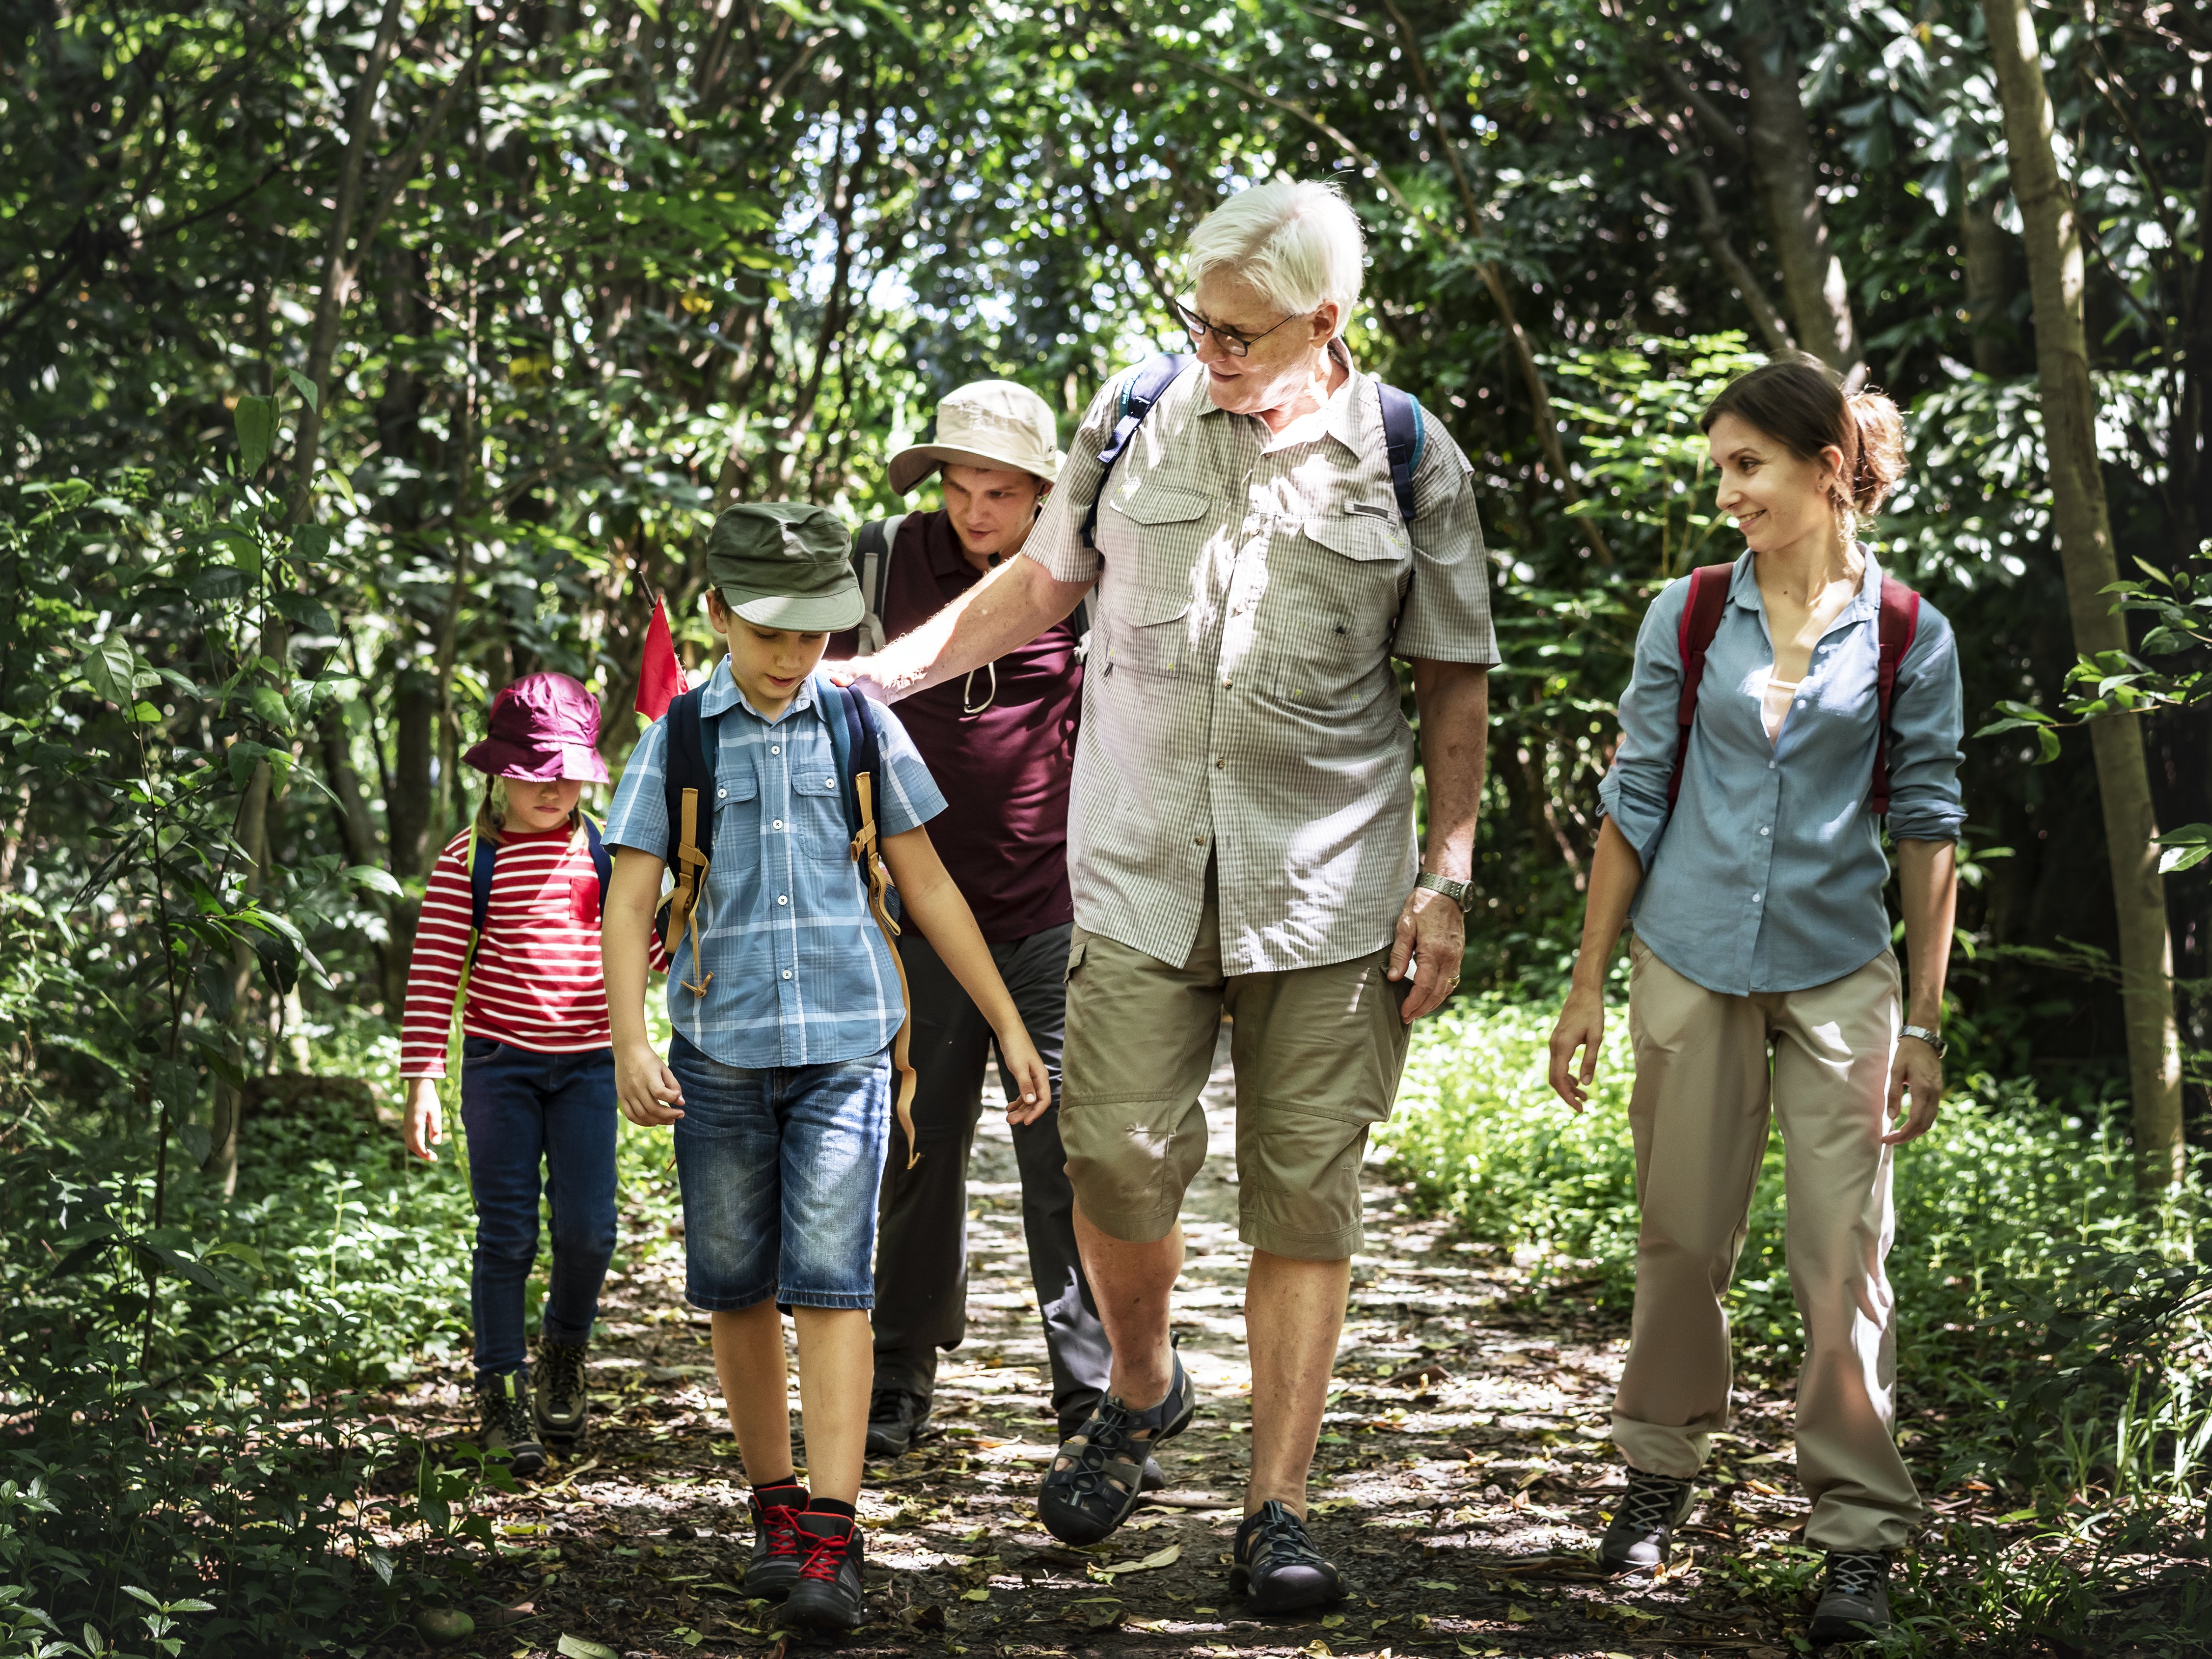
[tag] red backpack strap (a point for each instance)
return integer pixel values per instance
(1701, 620)
(1901, 623)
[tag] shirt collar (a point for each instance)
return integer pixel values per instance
(1345, 412)
(1743, 589)
(722, 694)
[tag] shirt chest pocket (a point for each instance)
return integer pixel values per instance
(817, 805)
(584, 900)
(1332, 604)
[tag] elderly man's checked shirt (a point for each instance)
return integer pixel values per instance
(1238, 704)
(800, 975)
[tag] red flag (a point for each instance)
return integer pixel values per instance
(659, 675)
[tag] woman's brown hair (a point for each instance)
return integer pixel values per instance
(1798, 403)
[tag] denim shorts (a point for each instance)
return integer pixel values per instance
(779, 1167)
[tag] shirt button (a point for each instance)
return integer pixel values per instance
(1770, 766)
(775, 749)
(776, 824)
(723, 793)
(1762, 829)
(786, 973)
(1218, 761)
(1198, 841)
(783, 898)
(1224, 680)
(1755, 898)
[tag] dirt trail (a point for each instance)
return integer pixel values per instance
(1462, 1479)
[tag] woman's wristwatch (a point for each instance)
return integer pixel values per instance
(1927, 1036)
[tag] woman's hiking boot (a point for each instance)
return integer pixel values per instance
(1642, 1536)
(505, 1431)
(827, 1594)
(558, 1396)
(1854, 1605)
(776, 1556)
(1096, 1479)
(1275, 1565)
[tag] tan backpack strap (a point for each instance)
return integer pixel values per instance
(690, 880)
(868, 856)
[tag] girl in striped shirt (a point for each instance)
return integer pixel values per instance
(512, 914)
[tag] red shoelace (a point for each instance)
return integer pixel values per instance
(781, 1520)
(824, 1556)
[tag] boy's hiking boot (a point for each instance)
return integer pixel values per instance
(828, 1594)
(776, 1556)
(896, 1419)
(1854, 1605)
(558, 1398)
(1095, 1480)
(1276, 1564)
(1642, 1536)
(505, 1431)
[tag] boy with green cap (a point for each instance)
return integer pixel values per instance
(785, 998)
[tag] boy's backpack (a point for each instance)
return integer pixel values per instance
(872, 569)
(688, 782)
(1701, 619)
(481, 857)
(1405, 432)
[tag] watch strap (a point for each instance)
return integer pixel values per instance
(1932, 1039)
(1460, 893)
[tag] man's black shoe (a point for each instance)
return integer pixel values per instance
(895, 1420)
(828, 1594)
(1642, 1536)
(1276, 1566)
(558, 1398)
(505, 1428)
(1854, 1605)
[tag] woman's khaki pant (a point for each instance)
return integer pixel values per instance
(1704, 1083)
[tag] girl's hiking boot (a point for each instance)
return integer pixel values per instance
(1854, 1605)
(506, 1430)
(828, 1594)
(558, 1397)
(1099, 1474)
(1642, 1536)
(1276, 1564)
(774, 1568)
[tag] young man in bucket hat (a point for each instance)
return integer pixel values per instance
(786, 1002)
(1002, 743)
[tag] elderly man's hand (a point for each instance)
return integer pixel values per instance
(1433, 937)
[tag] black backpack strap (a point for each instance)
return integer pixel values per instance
(1139, 394)
(871, 570)
(688, 790)
(1407, 435)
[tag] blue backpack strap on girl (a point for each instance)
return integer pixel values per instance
(1405, 432)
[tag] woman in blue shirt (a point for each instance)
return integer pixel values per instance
(1761, 969)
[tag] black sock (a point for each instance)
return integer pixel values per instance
(844, 1512)
(783, 1490)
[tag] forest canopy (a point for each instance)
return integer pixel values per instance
(360, 356)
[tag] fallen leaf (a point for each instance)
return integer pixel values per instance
(578, 1647)
(1109, 1571)
(979, 1594)
(1519, 1616)
(1318, 1650)
(440, 1625)
(1510, 1357)
(1435, 1584)
(1332, 1621)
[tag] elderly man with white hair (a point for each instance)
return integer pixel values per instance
(1266, 526)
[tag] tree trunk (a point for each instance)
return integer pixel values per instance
(2085, 549)
(1982, 250)
(1781, 144)
(221, 1164)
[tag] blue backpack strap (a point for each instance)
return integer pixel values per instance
(1139, 394)
(1407, 435)
(602, 861)
(854, 740)
(483, 852)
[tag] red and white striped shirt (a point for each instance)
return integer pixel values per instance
(536, 983)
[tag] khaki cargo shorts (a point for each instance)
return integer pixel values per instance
(1317, 1052)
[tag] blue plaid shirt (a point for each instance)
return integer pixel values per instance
(801, 974)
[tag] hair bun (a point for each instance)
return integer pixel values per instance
(1881, 447)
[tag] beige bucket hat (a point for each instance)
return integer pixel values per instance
(985, 423)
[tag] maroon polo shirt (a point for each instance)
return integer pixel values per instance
(1004, 769)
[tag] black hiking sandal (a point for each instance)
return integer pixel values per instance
(896, 1420)
(558, 1397)
(505, 1430)
(774, 1568)
(1642, 1536)
(1276, 1566)
(1099, 1474)
(1156, 1478)
(828, 1593)
(1854, 1605)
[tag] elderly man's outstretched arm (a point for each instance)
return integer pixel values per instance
(1010, 607)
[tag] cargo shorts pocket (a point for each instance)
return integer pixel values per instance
(1131, 1161)
(1298, 1191)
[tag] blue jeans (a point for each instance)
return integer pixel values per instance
(519, 1108)
(780, 1166)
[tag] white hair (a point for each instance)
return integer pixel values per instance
(1296, 240)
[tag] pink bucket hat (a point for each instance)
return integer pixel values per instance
(543, 727)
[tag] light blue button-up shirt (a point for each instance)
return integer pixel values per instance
(801, 974)
(1768, 874)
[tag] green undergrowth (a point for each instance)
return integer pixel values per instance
(194, 1415)
(2052, 1342)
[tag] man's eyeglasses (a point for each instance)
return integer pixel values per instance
(1236, 344)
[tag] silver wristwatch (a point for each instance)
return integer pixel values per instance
(1460, 893)
(1927, 1036)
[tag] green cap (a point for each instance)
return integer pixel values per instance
(785, 564)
